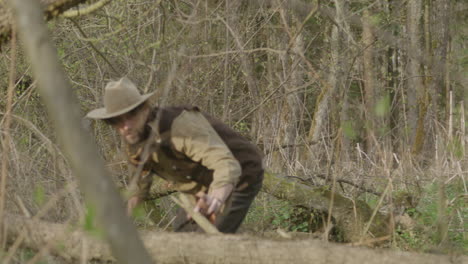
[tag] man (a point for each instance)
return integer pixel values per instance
(198, 155)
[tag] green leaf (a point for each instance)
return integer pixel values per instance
(348, 130)
(139, 213)
(88, 224)
(382, 107)
(377, 19)
(39, 195)
(456, 148)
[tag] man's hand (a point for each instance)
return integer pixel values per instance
(210, 204)
(131, 204)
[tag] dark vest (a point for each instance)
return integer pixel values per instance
(176, 167)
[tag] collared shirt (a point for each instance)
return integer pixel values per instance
(193, 136)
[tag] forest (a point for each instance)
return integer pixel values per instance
(359, 107)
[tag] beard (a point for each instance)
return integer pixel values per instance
(132, 138)
(138, 135)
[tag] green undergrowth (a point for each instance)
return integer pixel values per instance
(24, 255)
(440, 221)
(424, 228)
(435, 221)
(269, 214)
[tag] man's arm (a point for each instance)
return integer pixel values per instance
(194, 136)
(138, 187)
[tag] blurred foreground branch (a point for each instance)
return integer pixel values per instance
(63, 108)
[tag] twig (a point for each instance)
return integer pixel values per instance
(375, 212)
(333, 190)
(197, 217)
(227, 52)
(311, 14)
(6, 129)
(284, 146)
(85, 10)
(94, 47)
(22, 207)
(265, 100)
(352, 184)
(462, 127)
(309, 181)
(51, 202)
(103, 36)
(51, 147)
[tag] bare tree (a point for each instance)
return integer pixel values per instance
(415, 88)
(371, 90)
(340, 47)
(438, 87)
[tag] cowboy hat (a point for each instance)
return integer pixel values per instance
(120, 97)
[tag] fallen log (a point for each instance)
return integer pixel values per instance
(165, 247)
(351, 217)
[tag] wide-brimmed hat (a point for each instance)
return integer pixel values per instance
(120, 97)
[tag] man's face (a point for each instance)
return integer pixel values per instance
(131, 125)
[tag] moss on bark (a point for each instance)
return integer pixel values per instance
(351, 216)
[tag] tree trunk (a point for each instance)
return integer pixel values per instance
(63, 108)
(320, 113)
(200, 248)
(322, 102)
(293, 77)
(369, 80)
(440, 41)
(234, 28)
(340, 47)
(294, 104)
(398, 136)
(416, 93)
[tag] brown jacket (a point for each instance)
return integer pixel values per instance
(193, 151)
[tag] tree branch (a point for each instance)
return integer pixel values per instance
(81, 11)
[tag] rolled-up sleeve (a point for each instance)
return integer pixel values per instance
(193, 135)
